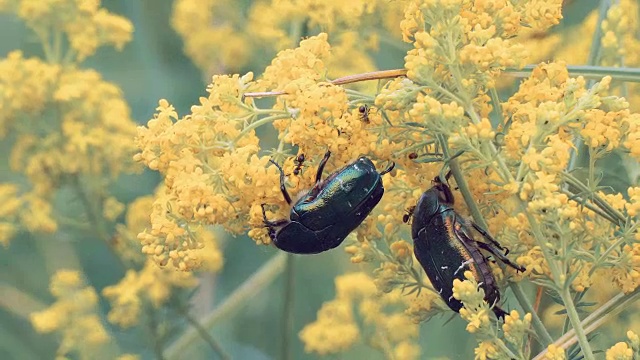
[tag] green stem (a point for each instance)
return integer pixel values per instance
(19, 303)
(157, 337)
(624, 237)
(597, 200)
(246, 292)
(204, 334)
(46, 46)
(570, 307)
(57, 46)
(288, 310)
(544, 337)
(596, 40)
(607, 311)
(461, 182)
(506, 349)
(586, 71)
(259, 123)
(497, 107)
(92, 208)
(591, 207)
(463, 187)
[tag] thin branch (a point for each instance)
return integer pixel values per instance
(246, 292)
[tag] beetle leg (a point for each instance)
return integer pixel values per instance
(321, 166)
(496, 252)
(500, 314)
(270, 223)
(489, 237)
(287, 198)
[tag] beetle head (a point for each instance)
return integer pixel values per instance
(434, 201)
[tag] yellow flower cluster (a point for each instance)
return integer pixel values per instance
(464, 45)
(151, 286)
(544, 113)
(476, 312)
(337, 327)
(619, 46)
(216, 35)
(10, 204)
(83, 22)
(74, 315)
(554, 353)
(69, 124)
(207, 258)
(210, 46)
(88, 135)
(213, 174)
(620, 351)
(201, 157)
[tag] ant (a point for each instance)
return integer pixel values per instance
(408, 214)
(364, 113)
(298, 162)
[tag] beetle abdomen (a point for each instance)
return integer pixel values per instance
(358, 212)
(445, 256)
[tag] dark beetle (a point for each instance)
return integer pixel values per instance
(445, 247)
(323, 217)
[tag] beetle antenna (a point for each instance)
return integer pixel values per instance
(321, 166)
(283, 189)
(388, 169)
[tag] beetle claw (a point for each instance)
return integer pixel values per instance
(388, 169)
(500, 314)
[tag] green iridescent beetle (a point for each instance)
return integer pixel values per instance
(323, 216)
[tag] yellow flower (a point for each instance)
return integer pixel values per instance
(420, 307)
(84, 23)
(515, 329)
(334, 331)
(554, 353)
(619, 351)
(150, 286)
(542, 14)
(486, 350)
(633, 206)
(10, 205)
(406, 350)
(112, 208)
(128, 357)
(401, 250)
(74, 315)
(634, 340)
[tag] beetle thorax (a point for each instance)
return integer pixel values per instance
(430, 204)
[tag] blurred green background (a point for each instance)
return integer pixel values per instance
(152, 67)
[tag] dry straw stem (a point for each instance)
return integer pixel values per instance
(349, 79)
(597, 318)
(257, 282)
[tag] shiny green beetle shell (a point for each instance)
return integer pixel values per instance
(322, 218)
